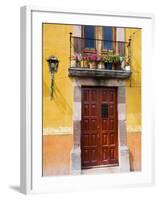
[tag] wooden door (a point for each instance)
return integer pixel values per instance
(99, 135)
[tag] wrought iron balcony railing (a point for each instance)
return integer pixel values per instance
(100, 58)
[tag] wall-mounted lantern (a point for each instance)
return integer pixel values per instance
(53, 63)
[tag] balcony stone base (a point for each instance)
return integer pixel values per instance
(98, 73)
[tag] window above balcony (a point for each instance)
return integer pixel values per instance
(102, 58)
(89, 33)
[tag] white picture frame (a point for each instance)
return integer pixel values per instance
(31, 100)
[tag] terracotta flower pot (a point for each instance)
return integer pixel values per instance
(78, 63)
(101, 65)
(92, 64)
(117, 66)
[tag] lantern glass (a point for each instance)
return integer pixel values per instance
(52, 66)
(53, 63)
(56, 66)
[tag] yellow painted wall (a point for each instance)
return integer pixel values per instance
(57, 113)
(133, 89)
(133, 100)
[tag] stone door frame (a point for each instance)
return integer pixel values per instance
(123, 153)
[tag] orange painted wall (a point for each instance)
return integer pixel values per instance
(56, 154)
(134, 144)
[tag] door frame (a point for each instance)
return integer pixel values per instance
(123, 152)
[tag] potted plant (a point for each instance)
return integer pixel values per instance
(110, 62)
(101, 65)
(107, 59)
(78, 58)
(104, 59)
(118, 62)
(123, 62)
(93, 61)
(98, 61)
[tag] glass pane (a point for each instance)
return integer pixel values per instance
(89, 34)
(108, 35)
(104, 110)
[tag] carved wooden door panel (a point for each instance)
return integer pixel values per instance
(99, 138)
(108, 126)
(90, 127)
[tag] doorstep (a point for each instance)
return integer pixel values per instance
(103, 170)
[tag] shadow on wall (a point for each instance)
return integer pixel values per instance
(59, 99)
(131, 161)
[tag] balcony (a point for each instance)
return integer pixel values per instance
(109, 59)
